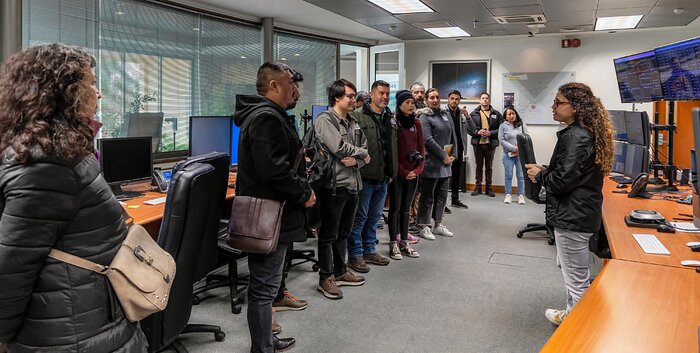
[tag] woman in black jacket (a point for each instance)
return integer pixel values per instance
(574, 182)
(53, 196)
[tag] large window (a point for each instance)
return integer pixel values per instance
(152, 58)
(316, 60)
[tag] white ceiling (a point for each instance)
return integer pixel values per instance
(298, 15)
(359, 20)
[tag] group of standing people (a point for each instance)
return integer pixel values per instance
(54, 196)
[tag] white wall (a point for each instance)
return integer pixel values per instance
(592, 62)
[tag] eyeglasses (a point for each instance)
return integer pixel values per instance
(557, 103)
(351, 96)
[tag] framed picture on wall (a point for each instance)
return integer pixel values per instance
(469, 77)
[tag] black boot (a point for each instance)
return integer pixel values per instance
(283, 344)
(477, 190)
(489, 192)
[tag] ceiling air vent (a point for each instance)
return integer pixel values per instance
(520, 19)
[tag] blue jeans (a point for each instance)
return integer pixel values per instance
(508, 163)
(362, 239)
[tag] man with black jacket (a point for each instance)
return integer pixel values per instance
(267, 150)
(459, 120)
(483, 125)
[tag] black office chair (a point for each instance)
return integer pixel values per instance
(532, 190)
(217, 247)
(182, 234)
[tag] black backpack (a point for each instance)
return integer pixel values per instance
(322, 167)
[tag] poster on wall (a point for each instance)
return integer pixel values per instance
(532, 94)
(469, 77)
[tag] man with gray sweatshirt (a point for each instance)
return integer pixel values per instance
(342, 137)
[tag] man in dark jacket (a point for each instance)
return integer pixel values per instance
(483, 125)
(459, 121)
(267, 149)
(379, 127)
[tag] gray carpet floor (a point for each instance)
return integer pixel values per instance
(482, 291)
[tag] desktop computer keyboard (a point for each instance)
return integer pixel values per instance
(621, 179)
(157, 201)
(650, 244)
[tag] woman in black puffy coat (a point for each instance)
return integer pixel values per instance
(53, 196)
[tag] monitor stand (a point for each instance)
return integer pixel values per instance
(122, 195)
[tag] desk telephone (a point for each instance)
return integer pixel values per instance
(161, 179)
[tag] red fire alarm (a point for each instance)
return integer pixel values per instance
(575, 43)
(565, 43)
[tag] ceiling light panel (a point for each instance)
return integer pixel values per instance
(617, 22)
(402, 6)
(447, 32)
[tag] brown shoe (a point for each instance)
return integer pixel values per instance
(290, 302)
(276, 328)
(376, 259)
(358, 264)
(330, 289)
(349, 279)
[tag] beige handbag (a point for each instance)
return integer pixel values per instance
(141, 273)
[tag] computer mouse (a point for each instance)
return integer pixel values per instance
(694, 263)
(621, 186)
(665, 228)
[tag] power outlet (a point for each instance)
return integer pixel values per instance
(661, 138)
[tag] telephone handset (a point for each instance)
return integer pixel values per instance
(639, 185)
(160, 180)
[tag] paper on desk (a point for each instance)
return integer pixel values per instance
(688, 227)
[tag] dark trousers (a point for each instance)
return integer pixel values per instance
(285, 270)
(455, 180)
(484, 158)
(338, 215)
(432, 199)
(265, 278)
(401, 191)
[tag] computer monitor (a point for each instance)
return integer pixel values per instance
(679, 69)
(619, 157)
(235, 136)
(317, 109)
(638, 128)
(638, 78)
(636, 160)
(693, 177)
(696, 171)
(124, 160)
(146, 124)
(210, 134)
(618, 121)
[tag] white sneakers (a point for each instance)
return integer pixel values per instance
(426, 233)
(442, 230)
(556, 317)
(509, 199)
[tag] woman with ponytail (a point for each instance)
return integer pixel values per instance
(574, 182)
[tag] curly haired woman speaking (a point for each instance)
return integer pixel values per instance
(53, 196)
(574, 182)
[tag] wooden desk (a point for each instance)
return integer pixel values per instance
(150, 216)
(622, 244)
(633, 307)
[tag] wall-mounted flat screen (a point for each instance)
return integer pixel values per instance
(679, 70)
(638, 78)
